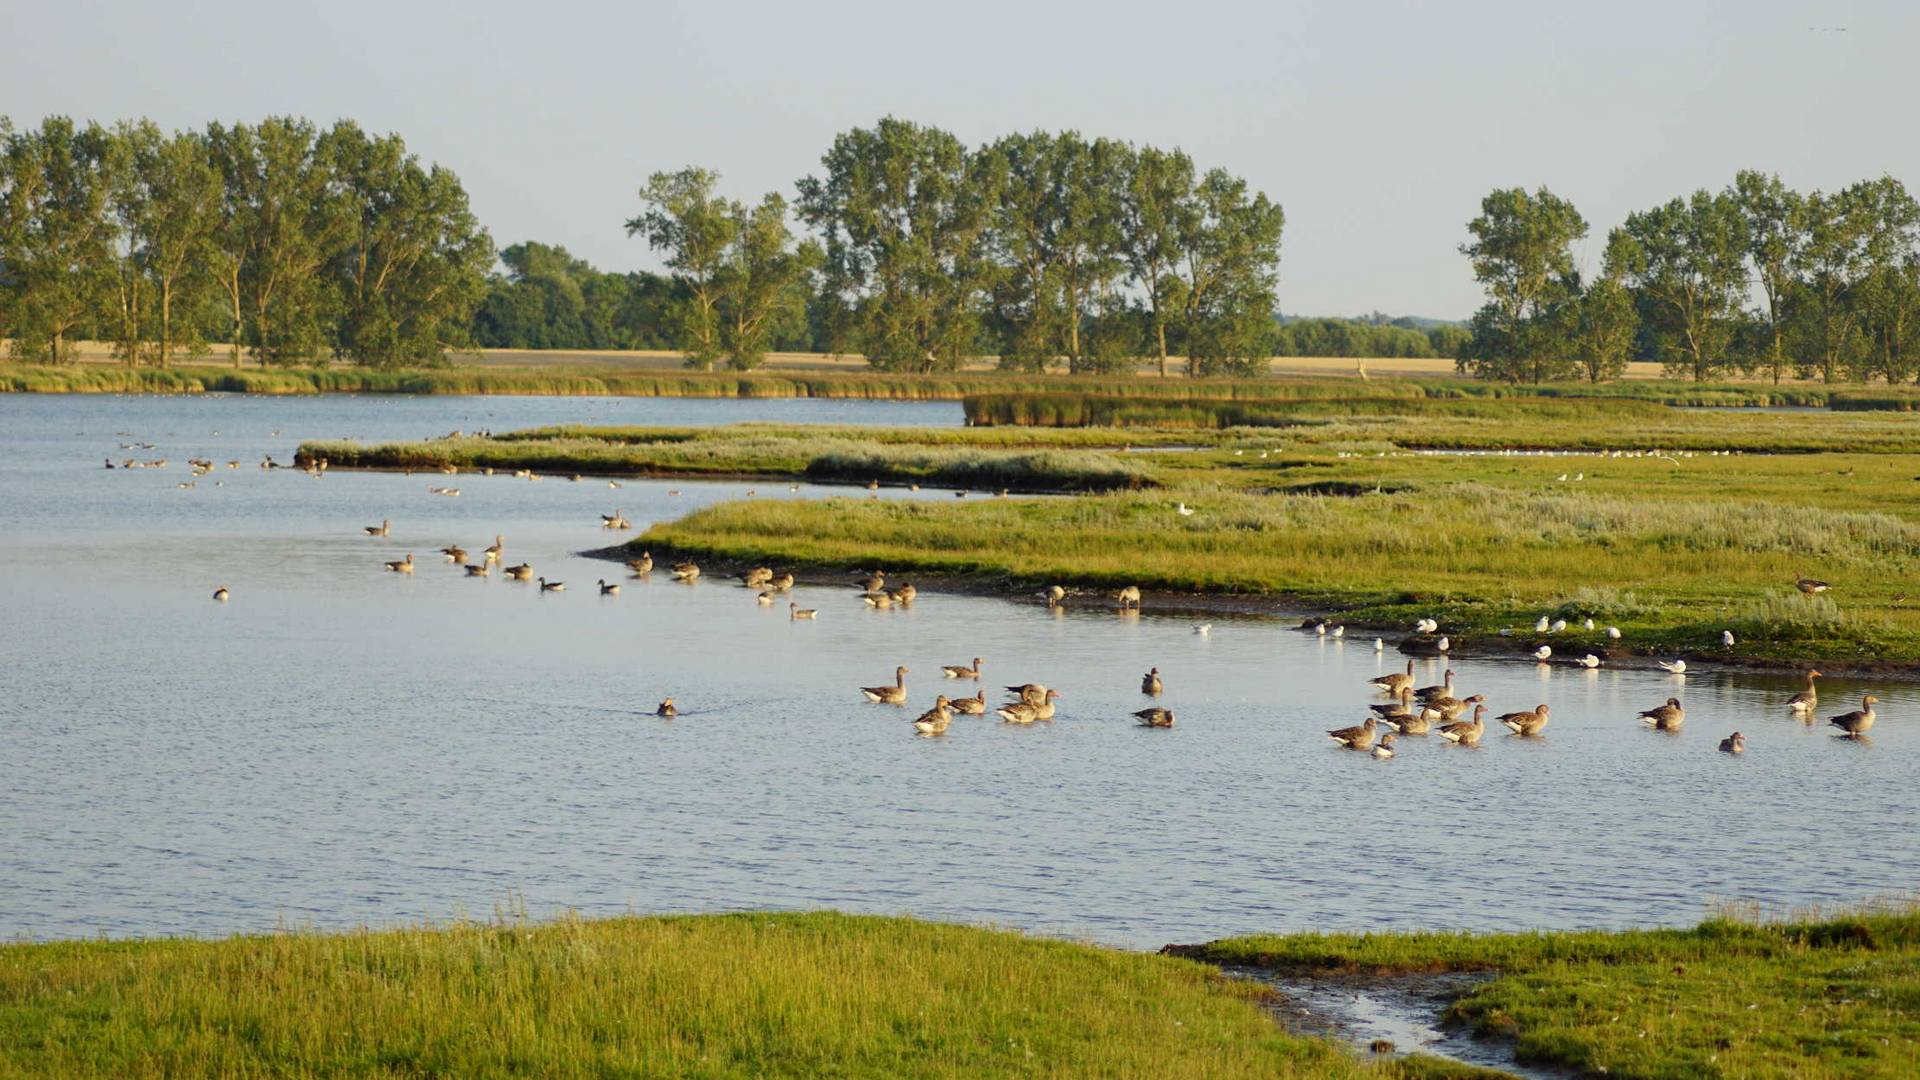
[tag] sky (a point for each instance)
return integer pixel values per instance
(1378, 126)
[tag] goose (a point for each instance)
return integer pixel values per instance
(1054, 595)
(221, 594)
(1726, 639)
(607, 520)
(385, 527)
(1412, 723)
(1150, 682)
(686, 571)
(1613, 633)
(666, 708)
(1805, 700)
(402, 566)
(609, 590)
(1589, 661)
(478, 569)
(552, 586)
(456, 555)
(109, 462)
(1043, 709)
(796, 612)
(1735, 743)
(499, 548)
(1445, 689)
(905, 594)
(1542, 653)
(1400, 707)
(1155, 717)
(1666, 717)
(641, 566)
(1394, 682)
(961, 671)
(1384, 749)
(1466, 734)
(1358, 737)
(874, 582)
(1809, 585)
(1128, 597)
(1858, 721)
(523, 572)
(889, 695)
(972, 706)
(1029, 710)
(756, 577)
(781, 583)
(1031, 693)
(1676, 667)
(766, 598)
(1449, 709)
(1203, 629)
(878, 600)
(1525, 724)
(935, 720)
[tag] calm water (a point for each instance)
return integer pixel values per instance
(339, 745)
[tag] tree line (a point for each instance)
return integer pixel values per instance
(294, 242)
(1756, 278)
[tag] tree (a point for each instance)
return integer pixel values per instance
(763, 281)
(1157, 211)
(57, 232)
(1522, 253)
(1775, 218)
(1231, 260)
(1865, 229)
(1688, 260)
(903, 210)
(695, 228)
(1605, 320)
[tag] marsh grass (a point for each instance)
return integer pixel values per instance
(716, 996)
(1835, 995)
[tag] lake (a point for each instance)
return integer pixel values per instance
(339, 745)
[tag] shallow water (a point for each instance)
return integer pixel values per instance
(339, 745)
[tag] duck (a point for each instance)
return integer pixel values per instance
(781, 582)
(1394, 682)
(641, 566)
(1445, 689)
(1150, 682)
(961, 671)
(935, 720)
(795, 612)
(756, 577)
(456, 555)
(666, 708)
(221, 594)
(385, 527)
(1735, 743)
(1858, 721)
(1677, 667)
(1358, 737)
(1805, 700)
(402, 566)
(552, 586)
(1809, 585)
(499, 548)
(1128, 597)
(766, 598)
(1384, 748)
(1466, 734)
(972, 706)
(523, 572)
(1155, 717)
(1666, 717)
(1055, 594)
(889, 695)
(1543, 654)
(686, 571)
(1525, 724)
(478, 569)
(609, 590)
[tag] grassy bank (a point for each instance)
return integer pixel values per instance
(733, 995)
(1834, 997)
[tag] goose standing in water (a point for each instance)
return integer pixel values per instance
(456, 555)
(686, 571)
(1466, 734)
(523, 572)
(1150, 682)
(756, 577)
(609, 590)
(1128, 597)
(1384, 749)
(1358, 737)
(1445, 689)
(960, 671)
(874, 582)
(1735, 743)
(972, 706)
(666, 708)
(1394, 682)
(1027, 711)
(498, 549)
(781, 583)
(935, 720)
(385, 527)
(552, 586)
(221, 594)
(478, 569)
(795, 612)
(877, 600)
(402, 566)
(889, 695)
(1666, 717)
(1804, 701)
(1525, 724)
(1155, 717)
(1054, 595)
(641, 566)
(1858, 721)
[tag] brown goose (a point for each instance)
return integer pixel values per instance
(523, 572)
(1524, 724)
(958, 671)
(1054, 595)
(1128, 597)
(1031, 693)
(889, 695)
(609, 590)
(1858, 721)
(455, 554)
(1026, 712)
(795, 612)
(498, 549)
(1735, 743)
(1809, 585)
(1150, 682)
(1466, 734)
(1401, 706)
(905, 594)
(1666, 717)
(552, 586)
(383, 529)
(1448, 709)
(1385, 748)
(1155, 717)
(1358, 737)
(756, 577)
(402, 566)
(972, 706)
(1395, 682)
(935, 720)
(478, 569)
(781, 583)
(641, 566)
(666, 709)
(874, 582)
(1412, 723)
(877, 600)
(1805, 700)
(686, 571)
(1445, 689)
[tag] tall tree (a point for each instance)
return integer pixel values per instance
(1158, 211)
(1775, 218)
(695, 227)
(903, 210)
(764, 279)
(1521, 252)
(1825, 313)
(1688, 260)
(1232, 264)
(58, 233)
(1604, 318)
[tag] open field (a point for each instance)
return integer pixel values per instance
(1825, 996)
(716, 996)
(1673, 541)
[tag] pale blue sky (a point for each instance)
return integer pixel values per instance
(1377, 125)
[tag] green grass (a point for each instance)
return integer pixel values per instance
(1835, 996)
(707, 996)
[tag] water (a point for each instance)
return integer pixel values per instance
(340, 746)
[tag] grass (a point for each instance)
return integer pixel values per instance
(1826, 996)
(708, 996)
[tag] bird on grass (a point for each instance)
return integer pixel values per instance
(1809, 585)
